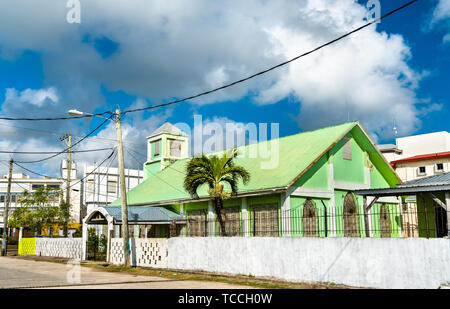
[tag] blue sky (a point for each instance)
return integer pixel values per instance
(147, 52)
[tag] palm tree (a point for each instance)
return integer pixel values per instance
(214, 171)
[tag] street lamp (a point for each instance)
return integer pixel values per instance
(123, 191)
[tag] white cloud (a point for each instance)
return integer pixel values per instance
(177, 48)
(441, 17)
(34, 97)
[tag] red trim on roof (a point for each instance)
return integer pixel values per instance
(431, 156)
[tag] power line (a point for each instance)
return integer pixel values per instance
(138, 161)
(169, 166)
(59, 134)
(108, 157)
(56, 118)
(52, 152)
(230, 84)
(65, 150)
(33, 172)
(271, 68)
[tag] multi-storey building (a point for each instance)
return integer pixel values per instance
(101, 184)
(419, 156)
(415, 157)
(22, 182)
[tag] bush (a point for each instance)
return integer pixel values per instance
(78, 233)
(12, 241)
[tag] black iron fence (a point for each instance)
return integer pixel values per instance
(381, 221)
(96, 246)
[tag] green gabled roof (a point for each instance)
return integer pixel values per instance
(297, 153)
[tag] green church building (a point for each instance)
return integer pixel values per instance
(308, 192)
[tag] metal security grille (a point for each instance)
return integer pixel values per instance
(157, 146)
(350, 216)
(175, 149)
(265, 220)
(309, 219)
(197, 223)
(385, 224)
(233, 222)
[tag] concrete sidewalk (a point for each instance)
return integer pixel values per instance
(22, 273)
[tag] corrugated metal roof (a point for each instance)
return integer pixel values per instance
(144, 214)
(400, 191)
(167, 127)
(441, 179)
(296, 154)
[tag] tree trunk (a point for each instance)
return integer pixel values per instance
(220, 213)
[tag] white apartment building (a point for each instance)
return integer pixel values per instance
(101, 185)
(21, 182)
(419, 156)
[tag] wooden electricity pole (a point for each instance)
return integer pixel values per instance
(123, 190)
(5, 215)
(69, 172)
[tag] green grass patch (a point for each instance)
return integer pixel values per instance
(174, 275)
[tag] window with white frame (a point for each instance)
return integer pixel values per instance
(439, 167)
(175, 148)
(157, 146)
(112, 186)
(421, 170)
(36, 186)
(90, 186)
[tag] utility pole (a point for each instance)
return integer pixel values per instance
(123, 190)
(5, 215)
(69, 172)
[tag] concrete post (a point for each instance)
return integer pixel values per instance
(245, 217)
(210, 218)
(109, 236)
(332, 206)
(447, 202)
(285, 214)
(85, 239)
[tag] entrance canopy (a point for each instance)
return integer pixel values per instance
(136, 215)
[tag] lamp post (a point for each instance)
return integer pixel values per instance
(123, 191)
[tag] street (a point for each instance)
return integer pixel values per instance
(19, 273)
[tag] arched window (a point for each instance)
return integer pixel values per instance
(350, 216)
(385, 224)
(309, 219)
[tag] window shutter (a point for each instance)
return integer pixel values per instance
(157, 147)
(347, 148)
(175, 148)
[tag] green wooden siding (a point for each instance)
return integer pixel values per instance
(297, 205)
(349, 170)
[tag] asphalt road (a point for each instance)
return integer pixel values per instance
(19, 273)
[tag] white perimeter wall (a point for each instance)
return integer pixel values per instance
(378, 263)
(59, 247)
